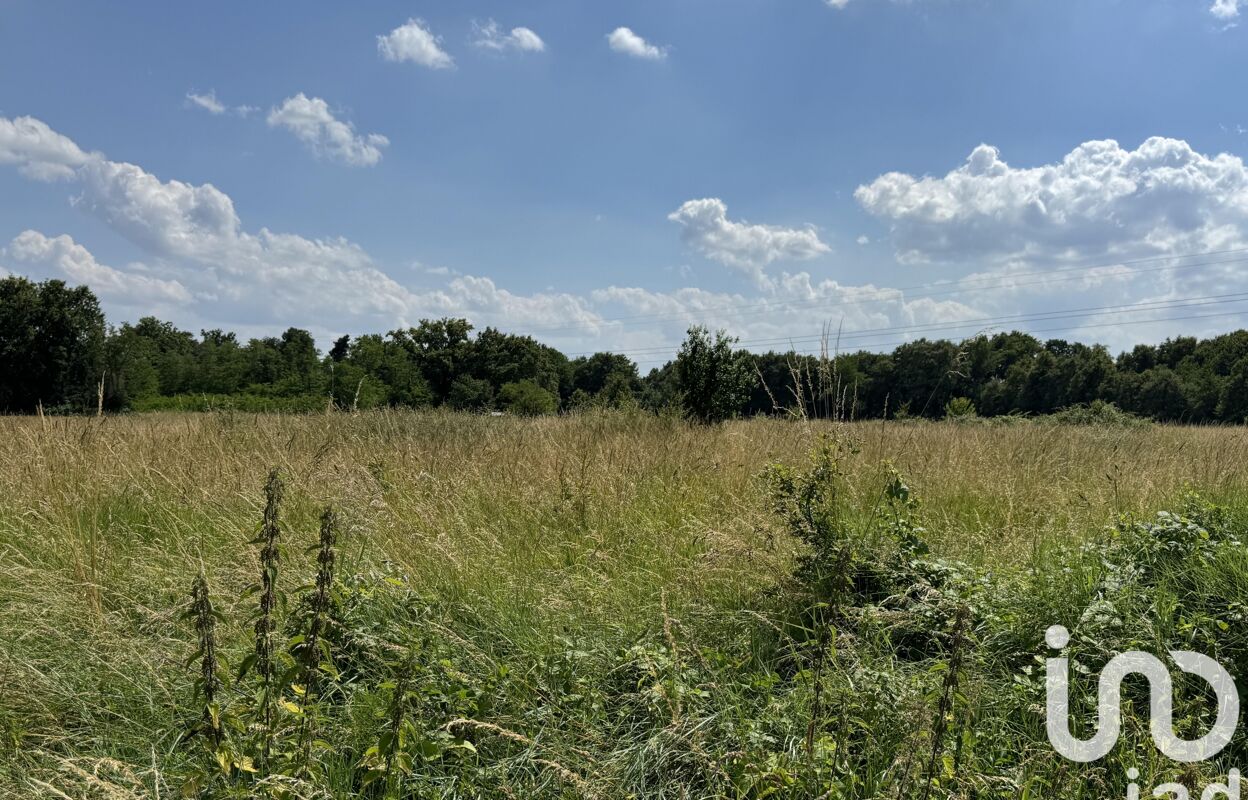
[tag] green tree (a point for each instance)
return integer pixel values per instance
(172, 353)
(438, 348)
(593, 374)
(301, 364)
(129, 374)
(471, 394)
(1160, 395)
(391, 362)
(1233, 404)
(923, 376)
(502, 358)
(714, 379)
(51, 345)
(960, 408)
(219, 365)
(527, 398)
(342, 346)
(660, 389)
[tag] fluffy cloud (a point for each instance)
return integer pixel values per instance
(743, 245)
(492, 37)
(311, 121)
(38, 151)
(209, 270)
(412, 41)
(1100, 201)
(623, 40)
(72, 261)
(202, 267)
(1225, 9)
(790, 312)
(195, 240)
(197, 229)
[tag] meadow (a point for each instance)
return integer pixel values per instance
(603, 604)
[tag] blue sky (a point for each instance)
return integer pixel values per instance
(752, 165)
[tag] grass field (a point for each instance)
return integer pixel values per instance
(605, 605)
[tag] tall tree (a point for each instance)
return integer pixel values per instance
(51, 345)
(714, 379)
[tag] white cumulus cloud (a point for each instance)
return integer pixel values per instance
(491, 37)
(414, 42)
(197, 229)
(202, 267)
(1225, 9)
(72, 262)
(38, 151)
(311, 121)
(623, 40)
(194, 238)
(746, 246)
(1101, 200)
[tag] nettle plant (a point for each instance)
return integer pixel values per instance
(869, 575)
(262, 729)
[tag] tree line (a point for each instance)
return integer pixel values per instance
(59, 355)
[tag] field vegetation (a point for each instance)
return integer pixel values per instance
(606, 604)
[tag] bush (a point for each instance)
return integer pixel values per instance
(527, 399)
(1099, 413)
(960, 407)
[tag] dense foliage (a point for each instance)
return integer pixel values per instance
(57, 353)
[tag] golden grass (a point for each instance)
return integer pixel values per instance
(543, 527)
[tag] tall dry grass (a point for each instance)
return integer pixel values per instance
(537, 529)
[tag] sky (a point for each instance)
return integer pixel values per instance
(601, 175)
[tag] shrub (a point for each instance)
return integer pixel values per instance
(960, 408)
(527, 399)
(1099, 413)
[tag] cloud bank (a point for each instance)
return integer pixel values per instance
(1101, 200)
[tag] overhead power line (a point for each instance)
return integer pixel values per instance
(898, 342)
(968, 285)
(1039, 316)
